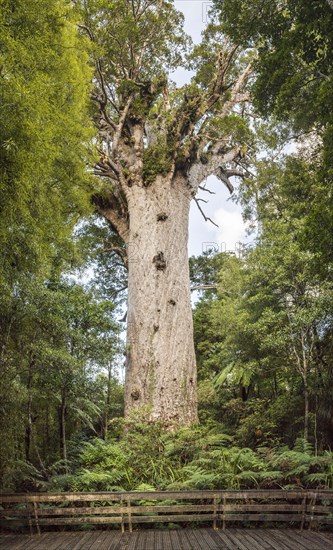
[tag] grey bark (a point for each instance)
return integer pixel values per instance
(161, 366)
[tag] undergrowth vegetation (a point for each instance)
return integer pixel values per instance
(146, 457)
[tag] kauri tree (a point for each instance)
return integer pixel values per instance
(158, 144)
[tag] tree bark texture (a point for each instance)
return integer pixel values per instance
(161, 366)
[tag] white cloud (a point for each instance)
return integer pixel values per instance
(231, 228)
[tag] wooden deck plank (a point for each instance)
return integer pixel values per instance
(71, 540)
(168, 540)
(264, 541)
(180, 539)
(10, 541)
(254, 542)
(213, 538)
(250, 540)
(327, 537)
(132, 540)
(102, 542)
(40, 542)
(146, 540)
(202, 540)
(268, 538)
(227, 543)
(53, 543)
(191, 539)
(285, 541)
(309, 537)
(234, 541)
(158, 539)
(313, 538)
(240, 541)
(84, 543)
(140, 545)
(124, 542)
(174, 539)
(14, 542)
(296, 536)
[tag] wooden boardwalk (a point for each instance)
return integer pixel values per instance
(179, 539)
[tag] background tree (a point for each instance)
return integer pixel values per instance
(157, 145)
(268, 328)
(62, 338)
(47, 386)
(294, 82)
(45, 131)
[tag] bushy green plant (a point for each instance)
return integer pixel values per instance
(147, 457)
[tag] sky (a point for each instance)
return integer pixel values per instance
(220, 208)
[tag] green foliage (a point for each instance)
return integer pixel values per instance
(294, 41)
(60, 336)
(45, 132)
(163, 47)
(156, 160)
(265, 336)
(191, 458)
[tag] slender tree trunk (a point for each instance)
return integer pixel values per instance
(46, 438)
(107, 403)
(62, 426)
(161, 367)
(306, 387)
(306, 408)
(28, 429)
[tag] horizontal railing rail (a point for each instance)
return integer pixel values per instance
(37, 510)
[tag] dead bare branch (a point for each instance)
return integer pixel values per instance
(203, 214)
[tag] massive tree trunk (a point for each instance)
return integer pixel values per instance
(161, 366)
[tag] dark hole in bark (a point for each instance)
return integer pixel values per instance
(172, 302)
(158, 311)
(135, 394)
(156, 327)
(161, 217)
(159, 261)
(175, 379)
(191, 380)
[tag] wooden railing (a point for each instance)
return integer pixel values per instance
(303, 508)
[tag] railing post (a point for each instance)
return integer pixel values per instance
(223, 512)
(215, 512)
(36, 517)
(313, 506)
(303, 512)
(122, 516)
(30, 507)
(129, 511)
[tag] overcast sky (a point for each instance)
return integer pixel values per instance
(221, 209)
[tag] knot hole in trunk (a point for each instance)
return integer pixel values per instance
(135, 394)
(162, 216)
(159, 261)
